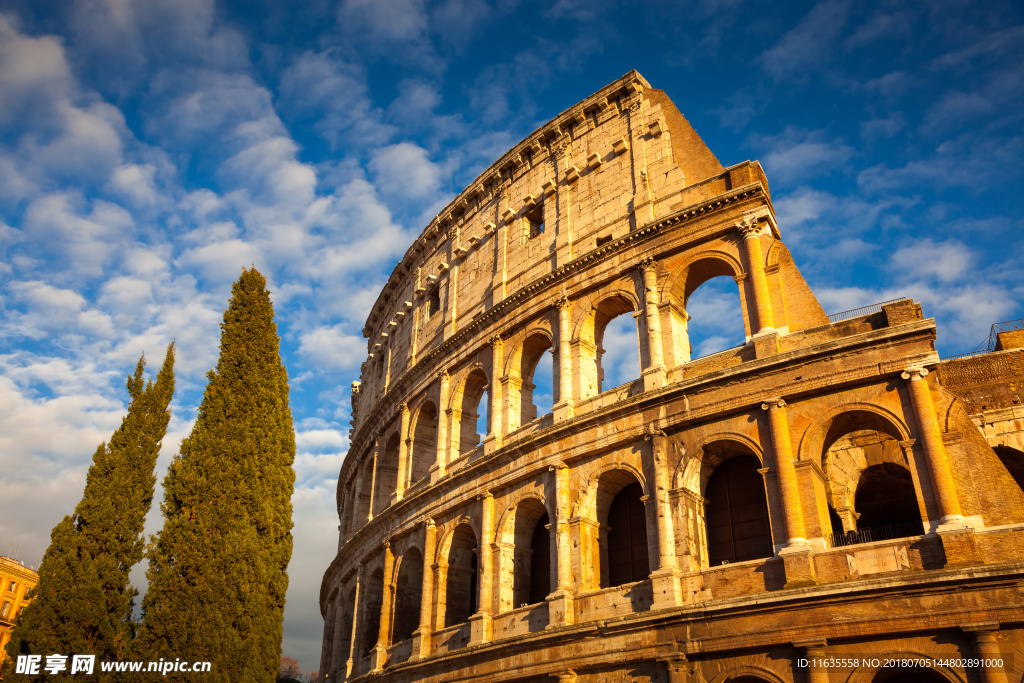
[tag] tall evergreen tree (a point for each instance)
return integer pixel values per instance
(217, 570)
(83, 602)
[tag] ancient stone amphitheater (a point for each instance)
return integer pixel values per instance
(822, 500)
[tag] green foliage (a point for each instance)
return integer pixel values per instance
(83, 603)
(217, 572)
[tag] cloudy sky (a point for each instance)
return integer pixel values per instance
(149, 149)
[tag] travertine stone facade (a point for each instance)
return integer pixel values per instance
(817, 491)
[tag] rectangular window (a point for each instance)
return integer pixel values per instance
(534, 222)
(13, 587)
(433, 302)
(5, 609)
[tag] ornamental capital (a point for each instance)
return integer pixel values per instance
(749, 227)
(429, 522)
(914, 373)
(443, 376)
(563, 303)
(495, 340)
(773, 403)
(648, 264)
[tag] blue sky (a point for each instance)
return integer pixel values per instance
(151, 149)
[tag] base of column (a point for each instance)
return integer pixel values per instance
(563, 410)
(654, 378)
(666, 588)
(561, 609)
(766, 343)
(491, 443)
(958, 544)
(436, 473)
(481, 629)
(421, 638)
(380, 656)
(798, 562)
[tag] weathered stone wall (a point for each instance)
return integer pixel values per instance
(683, 525)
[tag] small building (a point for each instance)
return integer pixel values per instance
(16, 580)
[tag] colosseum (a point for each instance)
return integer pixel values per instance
(827, 501)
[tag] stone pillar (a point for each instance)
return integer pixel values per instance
(373, 478)
(956, 534)
(493, 440)
(439, 468)
(563, 410)
(814, 653)
(568, 676)
(380, 651)
(796, 554)
(986, 648)
(665, 579)
(561, 610)
(357, 607)
(751, 231)
(403, 454)
(423, 636)
(357, 498)
(480, 623)
(654, 375)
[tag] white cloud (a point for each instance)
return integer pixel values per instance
(806, 46)
(796, 154)
(946, 261)
(405, 170)
(331, 348)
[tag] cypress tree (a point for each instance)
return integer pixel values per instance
(217, 569)
(83, 602)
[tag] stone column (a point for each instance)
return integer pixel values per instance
(357, 498)
(560, 603)
(956, 534)
(751, 231)
(480, 623)
(403, 453)
(440, 467)
(563, 410)
(797, 554)
(357, 607)
(654, 375)
(814, 654)
(986, 648)
(665, 579)
(380, 651)
(493, 440)
(423, 636)
(373, 477)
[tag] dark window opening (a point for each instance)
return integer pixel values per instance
(408, 593)
(886, 496)
(371, 613)
(1013, 461)
(461, 590)
(627, 539)
(540, 561)
(737, 513)
(433, 302)
(535, 222)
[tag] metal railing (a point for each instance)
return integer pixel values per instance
(863, 310)
(878, 533)
(967, 354)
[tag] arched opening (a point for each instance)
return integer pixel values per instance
(362, 510)
(387, 474)
(474, 423)
(885, 497)
(536, 372)
(424, 443)
(371, 612)
(1013, 461)
(461, 588)
(532, 555)
(736, 509)
(617, 342)
(868, 481)
(627, 537)
(330, 624)
(408, 593)
(341, 655)
(705, 311)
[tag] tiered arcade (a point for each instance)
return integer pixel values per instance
(814, 490)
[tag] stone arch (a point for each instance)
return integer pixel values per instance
(466, 401)
(461, 569)
(742, 673)
(589, 336)
(870, 674)
(372, 604)
(692, 471)
(1013, 460)
(596, 535)
(408, 594)
(736, 518)
(422, 441)
(531, 352)
(684, 279)
(344, 639)
(815, 439)
(387, 473)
